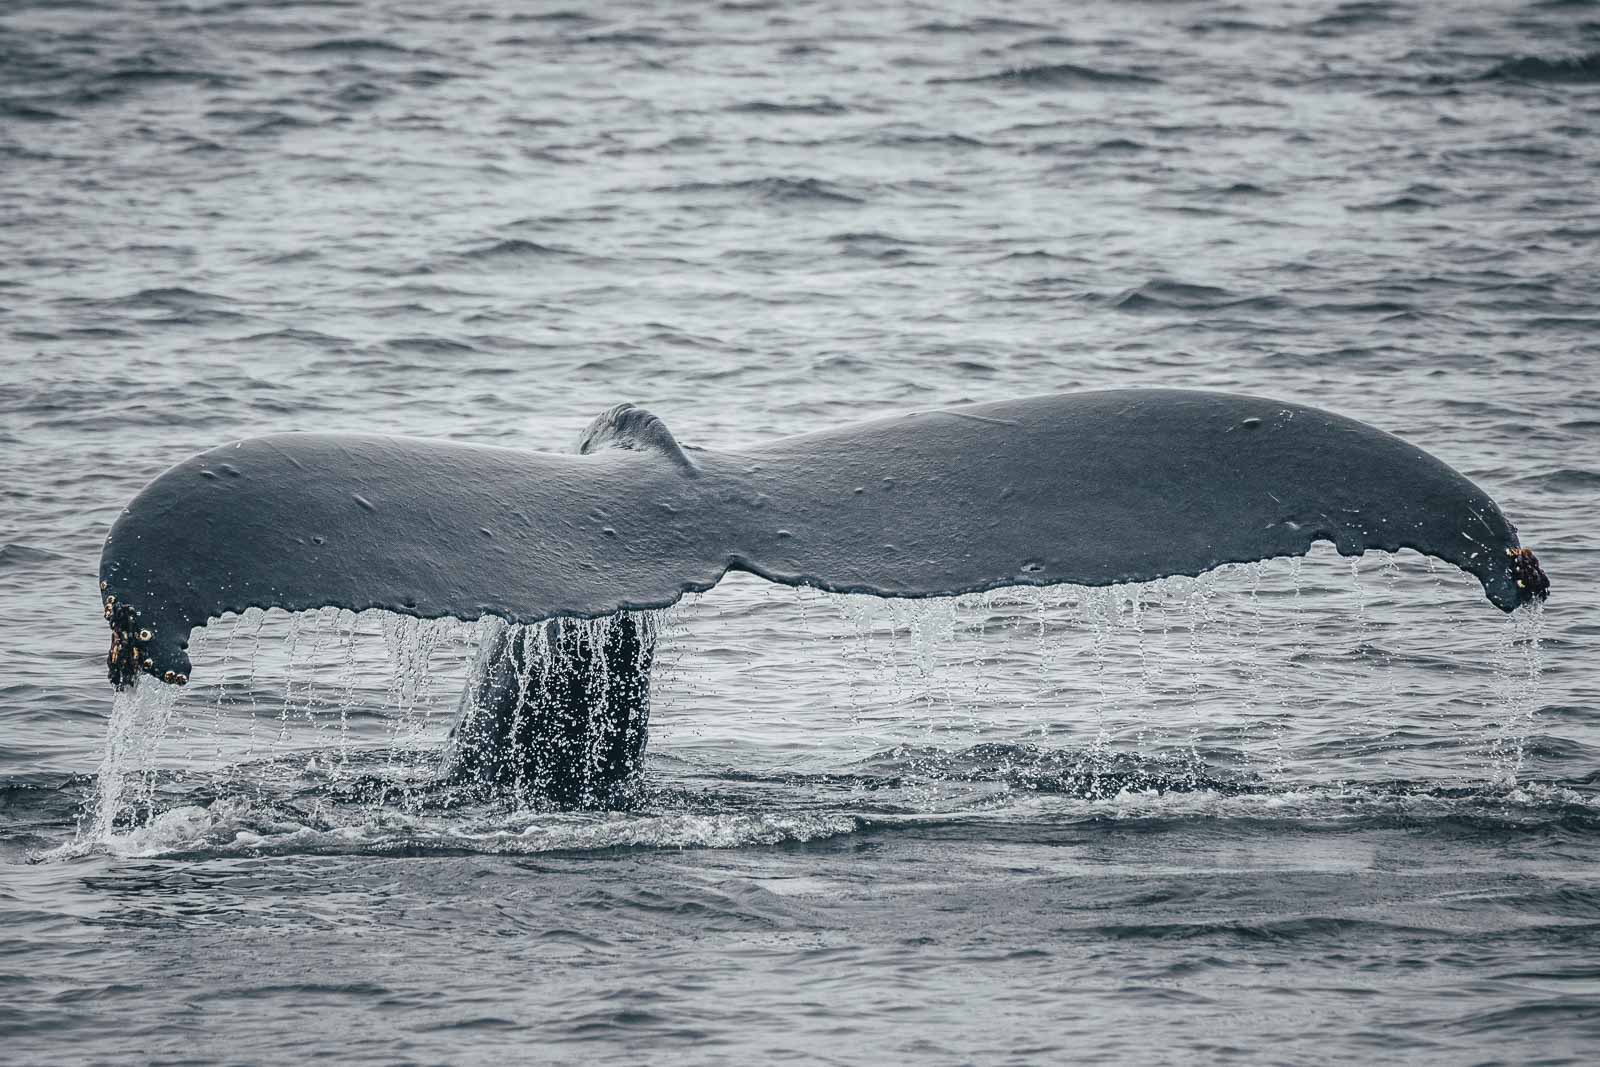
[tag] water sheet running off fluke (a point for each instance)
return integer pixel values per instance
(1088, 488)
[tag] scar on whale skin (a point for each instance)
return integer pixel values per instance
(1093, 488)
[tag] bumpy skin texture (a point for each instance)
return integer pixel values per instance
(1087, 488)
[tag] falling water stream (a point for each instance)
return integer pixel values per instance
(1184, 691)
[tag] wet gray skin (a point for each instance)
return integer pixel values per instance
(1088, 488)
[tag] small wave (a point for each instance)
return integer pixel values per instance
(1565, 480)
(871, 245)
(1049, 40)
(985, 24)
(175, 297)
(773, 190)
(1359, 15)
(1055, 76)
(514, 248)
(257, 118)
(355, 45)
(43, 794)
(300, 255)
(618, 37)
(16, 109)
(15, 151)
(1245, 189)
(360, 94)
(1034, 256)
(1583, 426)
(681, 143)
(1398, 203)
(101, 92)
(15, 556)
(576, 17)
(1328, 357)
(308, 338)
(77, 332)
(423, 77)
(434, 346)
(1584, 323)
(1162, 294)
(1314, 927)
(1366, 307)
(1227, 25)
(1575, 70)
(768, 107)
(846, 363)
(157, 75)
(276, 124)
(934, 140)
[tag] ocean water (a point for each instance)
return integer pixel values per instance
(1312, 811)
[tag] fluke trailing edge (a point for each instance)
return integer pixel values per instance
(1088, 488)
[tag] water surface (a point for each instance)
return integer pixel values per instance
(1285, 813)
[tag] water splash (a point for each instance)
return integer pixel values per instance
(140, 716)
(1188, 677)
(1518, 666)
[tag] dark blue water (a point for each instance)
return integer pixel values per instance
(1286, 813)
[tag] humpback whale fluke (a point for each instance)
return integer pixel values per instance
(1090, 488)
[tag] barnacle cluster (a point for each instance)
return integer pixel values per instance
(1530, 577)
(128, 655)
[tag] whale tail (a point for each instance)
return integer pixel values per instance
(1088, 488)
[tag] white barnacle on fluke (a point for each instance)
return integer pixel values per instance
(1099, 489)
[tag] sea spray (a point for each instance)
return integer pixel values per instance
(1180, 673)
(1518, 667)
(140, 715)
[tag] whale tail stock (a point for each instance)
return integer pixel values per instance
(1088, 488)
(558, 712)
